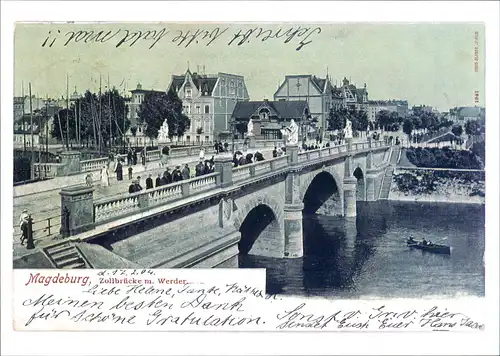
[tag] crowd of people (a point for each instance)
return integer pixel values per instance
(176, 175)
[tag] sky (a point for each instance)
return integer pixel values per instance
(431, 64)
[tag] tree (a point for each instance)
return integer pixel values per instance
(62, 119)
(383, 119)
(457, 130)
(472, 127)
(360, 121)
(336, 118)
(158, 107)
(408, 128)
(89, 118)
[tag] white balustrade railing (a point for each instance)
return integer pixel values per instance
(279, 162)
(109, 209)
(203, 183)
(93, 164)
(241, 173)
(45, 169)
(153, 155)
(165, 194)
(262, 167)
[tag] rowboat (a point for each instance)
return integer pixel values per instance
(434, 248)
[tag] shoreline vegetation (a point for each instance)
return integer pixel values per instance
(431, 185)
(441, 175)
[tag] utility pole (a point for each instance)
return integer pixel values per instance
(31, 126)
(109, 116)
(46, 134)
(67, 112)
(124, 113)
(79, 121)
(24, 124)
(100, 113)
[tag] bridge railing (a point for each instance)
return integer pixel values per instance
(79, 199)
(258, 168)
(113, 208)
(45, 169)
(93, 164)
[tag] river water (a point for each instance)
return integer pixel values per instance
(367, 256)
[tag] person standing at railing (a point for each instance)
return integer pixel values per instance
(176, 174)
(199, 169)
(186, 173)
(137, 185)
(131, 187)
(23, 224)
(226, 146)
(149, 182)
(158, 181)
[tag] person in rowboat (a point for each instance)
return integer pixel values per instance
(424, 242)
(411, 240)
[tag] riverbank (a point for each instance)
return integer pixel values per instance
(438, 185)
(436, 198)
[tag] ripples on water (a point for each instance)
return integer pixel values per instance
(368, 256)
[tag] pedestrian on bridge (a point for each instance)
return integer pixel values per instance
(158, 181)
(130, 173)
(138, 187)
(176, 174)
(202, 154)
(119, 170)
(23, 224)
(104, 177)
(199, 169)
(186, 173)
(149, 182)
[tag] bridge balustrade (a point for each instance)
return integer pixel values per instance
(80, 199)
(45, 169)
(93, 164)
(112, 208)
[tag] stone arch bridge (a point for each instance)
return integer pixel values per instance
(207, 221)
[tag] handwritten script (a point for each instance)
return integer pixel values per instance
(203, 300)
(299, 36)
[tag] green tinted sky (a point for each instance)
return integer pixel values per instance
(429, 64)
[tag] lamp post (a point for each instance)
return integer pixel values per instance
(232, 125)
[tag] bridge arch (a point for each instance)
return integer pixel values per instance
(360, 185)
(322, 193)
(260, 222)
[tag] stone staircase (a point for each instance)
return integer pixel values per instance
(395, 154)
(66, 255)
(386, 183)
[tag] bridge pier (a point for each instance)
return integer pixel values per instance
(294, 237)
(350, 196)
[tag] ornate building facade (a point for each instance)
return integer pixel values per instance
(270, 117)
(208, 101)
(317, 92)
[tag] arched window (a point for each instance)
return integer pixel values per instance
(264, 114)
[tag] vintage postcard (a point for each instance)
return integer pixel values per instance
(250, 176)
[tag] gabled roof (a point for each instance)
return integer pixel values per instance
(204, 83)
(320, 83)
(284, 109)
(473, 111)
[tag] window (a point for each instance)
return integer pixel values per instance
(188, 138)
(198, 109)
(207, 109)
(189, 93)
(206, 138)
